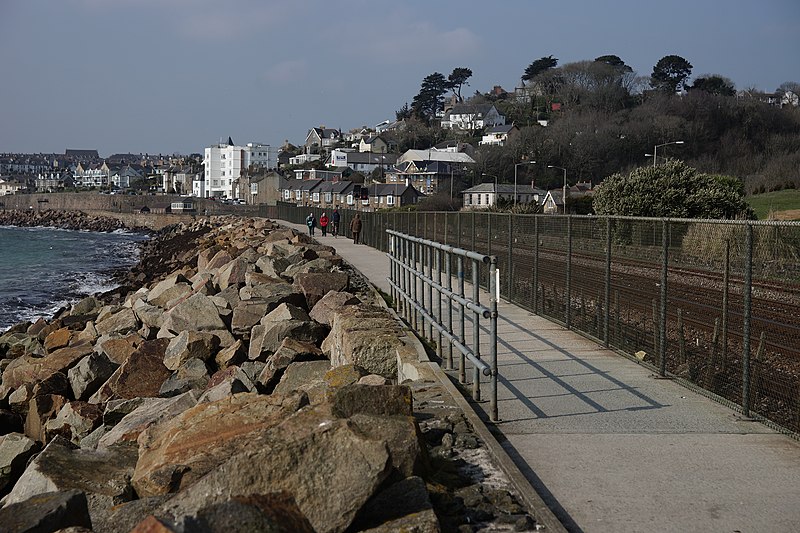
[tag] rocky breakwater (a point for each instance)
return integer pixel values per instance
(75, 220)
(237, 389)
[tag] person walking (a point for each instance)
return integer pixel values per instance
(335, 222)
(323, 223)
(311, 222)
(355, 227)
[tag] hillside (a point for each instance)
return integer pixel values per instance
(784, 205)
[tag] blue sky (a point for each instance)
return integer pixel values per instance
(164, 76)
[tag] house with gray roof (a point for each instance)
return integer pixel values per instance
(470, 117)
(485, 195)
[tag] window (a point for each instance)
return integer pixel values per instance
(298, 194)
(466, 199)
(287, 194)
(328, 197)
(390, 200)
(350, 199)
(223, 172)
(487, 199)
(479, 199)
(316, 197)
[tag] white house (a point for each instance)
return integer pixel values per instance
(485, 195)
(225, 162)
(472, 117)
(498, 135)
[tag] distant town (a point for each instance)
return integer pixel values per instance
(366, 167)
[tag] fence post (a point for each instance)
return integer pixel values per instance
(429, 257)
(535, 286)
(725, 282)
(607, 295)
(662, 324)
(458, 229)
(494, 291)
(746, 314)
(568, 292)
(510, 266)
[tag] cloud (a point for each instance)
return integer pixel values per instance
(287, 72)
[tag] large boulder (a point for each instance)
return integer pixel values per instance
(329, 469)
(178, 451)
(196, 313)
(190, 345)
(74, 421)
(307, 376)
(42, 408)
(103, 475)
(191, 375)
(290, 351)
(89, 374)
(316, 265)
(149, 411)
(142, 374)
(27, 369)
(273, 294)
(366, 336)
(266, 338)
(123, 321)
(118, 349)
(316, 285)
(232, 274)
(15, 451)
(57, 339)
(331, 303)
(49, 511)
(402, 506)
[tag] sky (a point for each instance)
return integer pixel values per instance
(175, 76)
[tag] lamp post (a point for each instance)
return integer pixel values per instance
(656, 147)
(515, 177)
(564, 190)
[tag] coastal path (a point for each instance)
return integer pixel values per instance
(611, 448)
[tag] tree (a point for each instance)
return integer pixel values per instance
(714, 84)
(673, 189)
(430, 97)
(670, 74)
(537, 67)
(404, 112)
(457, 79)
(613, 61)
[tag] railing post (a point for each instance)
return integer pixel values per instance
(438, 257)
(414, 281)
(458, 229)
(449, 273)
(746, 313)
(725, 290)
(495, 296)
(462, 373)
(429, 256)
(662, 323)
(476, 331)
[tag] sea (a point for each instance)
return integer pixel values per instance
(45, 269)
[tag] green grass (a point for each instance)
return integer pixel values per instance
(785, 200)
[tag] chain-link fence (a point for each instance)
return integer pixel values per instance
(713, 303)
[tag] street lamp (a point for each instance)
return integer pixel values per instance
(515, 177)
(564, 191)
(495, 185)
(656, 147)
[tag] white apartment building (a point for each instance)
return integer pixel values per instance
(223, 164)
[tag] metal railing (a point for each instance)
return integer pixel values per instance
(713, 304)
(421, 278)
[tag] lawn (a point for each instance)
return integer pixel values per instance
(785, 205)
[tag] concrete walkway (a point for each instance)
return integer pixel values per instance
(612, 449)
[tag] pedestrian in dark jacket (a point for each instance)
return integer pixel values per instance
(311, 222)
(355, 227)
(323, 223)
(335, 222)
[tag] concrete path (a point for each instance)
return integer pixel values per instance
(612, 449)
